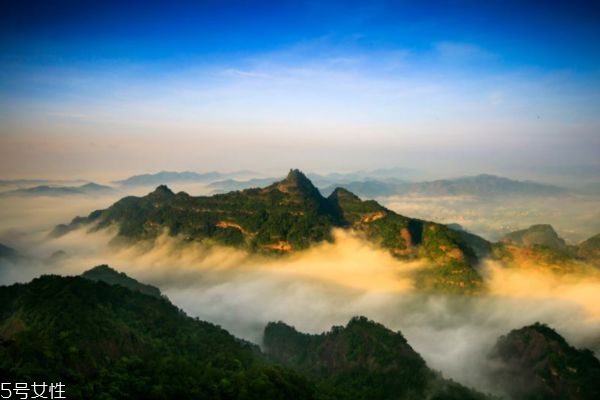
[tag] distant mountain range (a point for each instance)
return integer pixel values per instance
(90, 189)
(37, 182)
(292, 215)
(376, 183)
(167, 177)
(229, 185)
(109, 341)
(480, 185)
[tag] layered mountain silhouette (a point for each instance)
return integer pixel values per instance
(292, 215)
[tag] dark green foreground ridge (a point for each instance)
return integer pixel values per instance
(363, 360)
(112, 342)
(538, 363)
(108, 341)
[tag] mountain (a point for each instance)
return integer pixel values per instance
(111, 342)
(535, 362)
(169, 177)
(108, 342)
(483, 185)
(229, 185)
(590, 249)
(45, 190)
(37, 182)
(286, 216)
(363, 360)
(536, 235)
(370, 187)
(384, 174)
(108, 275)
(539, 246)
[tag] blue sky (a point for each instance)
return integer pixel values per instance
(454, 86)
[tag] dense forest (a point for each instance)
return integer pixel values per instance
(120, 340)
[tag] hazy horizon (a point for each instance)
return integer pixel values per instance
(109, 91)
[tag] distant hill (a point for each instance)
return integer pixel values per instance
(383, 174)
(481, 185)
(165, 177)
(37, 182)
(55, 191)
(540, 246)
(590, 249)
(363, 360)
(108, 275)
(535, 362)
(287, 216)
(229, 185)
(536, 235)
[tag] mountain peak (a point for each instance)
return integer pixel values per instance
(296, 176)
(296, 181)
(162, 190)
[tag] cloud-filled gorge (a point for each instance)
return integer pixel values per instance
(327, 285)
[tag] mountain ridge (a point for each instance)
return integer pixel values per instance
(89, 189)
(292, 215)
(482, 185)
(287, 216)
(113, 342)
(106, 274)
(357, 357)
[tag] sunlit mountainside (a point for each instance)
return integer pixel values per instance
(291, 215)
